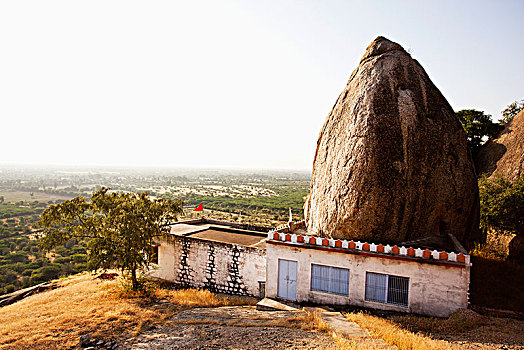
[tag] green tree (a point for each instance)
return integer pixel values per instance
(502, 204)
(120, 228)
(511, 111)
(478, 127)
(45, 273)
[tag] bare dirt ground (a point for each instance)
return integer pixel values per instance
(241, 327)
(211, 336)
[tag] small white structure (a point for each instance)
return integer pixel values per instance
(286, 263)
(338, 272)
(216, 255)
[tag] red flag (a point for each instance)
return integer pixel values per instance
(200, 207)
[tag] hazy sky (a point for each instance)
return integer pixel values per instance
(244, 84)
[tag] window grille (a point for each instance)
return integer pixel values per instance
(398, 288)
(387, 289)
(330, 279)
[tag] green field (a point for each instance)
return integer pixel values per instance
(17, 196)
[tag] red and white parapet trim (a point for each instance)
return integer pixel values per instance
(280, 234)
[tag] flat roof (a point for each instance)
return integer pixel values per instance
(221, 231)
(185, 229)
(229, 236)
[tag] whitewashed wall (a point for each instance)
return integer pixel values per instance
(433, 289)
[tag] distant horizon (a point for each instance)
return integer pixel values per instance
(146, 167)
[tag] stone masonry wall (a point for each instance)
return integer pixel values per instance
(219, 267)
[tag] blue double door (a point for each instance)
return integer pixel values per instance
(287, 279)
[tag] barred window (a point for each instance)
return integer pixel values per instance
(330, 279)
(387, 289)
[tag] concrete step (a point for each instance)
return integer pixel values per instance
(268, 304)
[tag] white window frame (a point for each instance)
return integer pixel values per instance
(330, 291)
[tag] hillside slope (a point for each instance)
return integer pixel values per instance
(504, 155)
(83, 304)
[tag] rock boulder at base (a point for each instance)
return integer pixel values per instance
(504, 155)
(392, 163)
(516, 249)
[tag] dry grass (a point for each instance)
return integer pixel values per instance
(395, 335)
(460, 321)
(57, 318)
(315, 321)
(464, 328)
(346, 344)
(307, 320)
(354, 344)
(83, 304)
(201, 298)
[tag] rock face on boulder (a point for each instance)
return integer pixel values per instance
(392, 163)
(504, 155)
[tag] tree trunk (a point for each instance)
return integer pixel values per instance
(134, 280)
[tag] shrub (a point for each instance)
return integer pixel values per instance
(502, 204)
(79, 258)
(17, 257)
(62, 260)
(45, 274)
(9, 288)
(27, 272)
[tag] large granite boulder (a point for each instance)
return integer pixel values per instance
(504, 155)
(392, 163)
